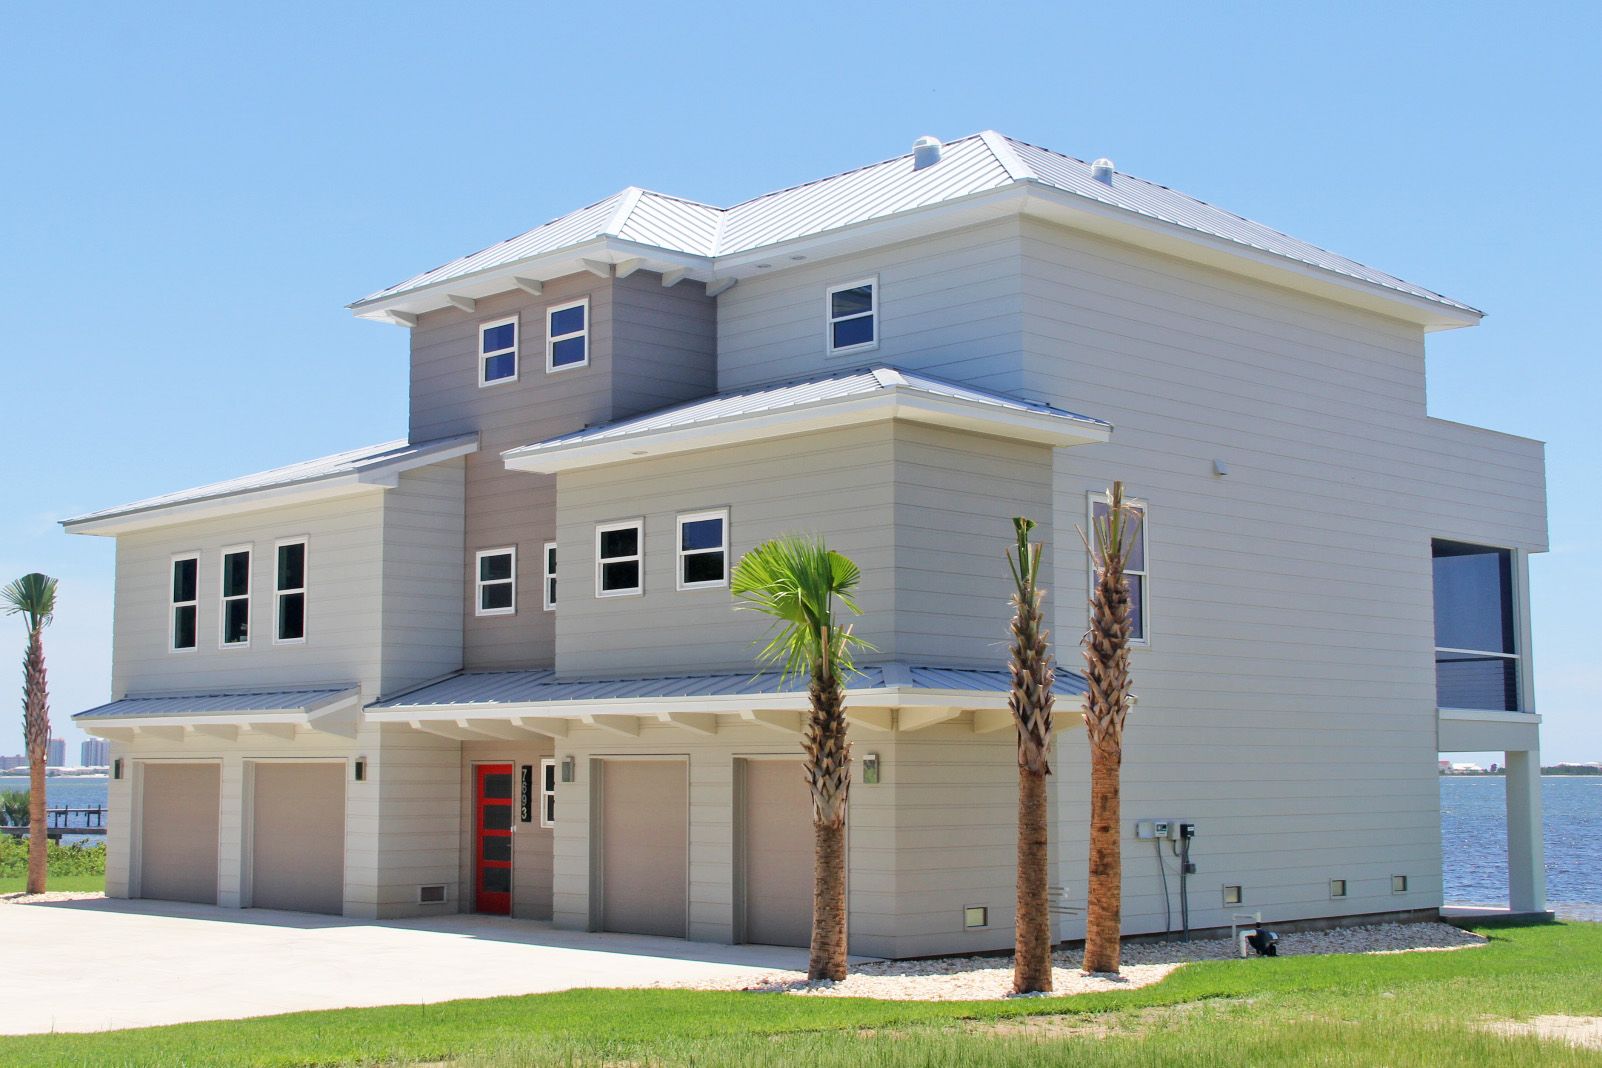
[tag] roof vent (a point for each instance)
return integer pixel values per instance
(1102, 170)
(925, 152)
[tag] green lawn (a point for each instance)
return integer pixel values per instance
(1417, 1009)
(15, 884)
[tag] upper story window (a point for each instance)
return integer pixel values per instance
(619, 558)
(289, 592)
(567, 335)
(547, 792)
(1135, 566)
(703, 550)
(495, 582)
(236, 596)
(853, 316)
(185, 601)
(549, 577)
(497, 351)
(1476, 655)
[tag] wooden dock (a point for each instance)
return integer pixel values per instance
(90, 820)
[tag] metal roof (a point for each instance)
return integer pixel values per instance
(967, 166)
(482, 689)
(840, 385)
(389, 457)
(211, 704)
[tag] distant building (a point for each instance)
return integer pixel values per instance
(94, 753)
(57, 753)
(19, 760)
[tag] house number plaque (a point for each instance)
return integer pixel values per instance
(525, 794)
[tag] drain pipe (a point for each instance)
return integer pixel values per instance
(1187, 831)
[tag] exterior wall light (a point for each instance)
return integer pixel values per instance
(1398, 884)
(976, 916)
(359, 769)
(1232, 895)
(870, 769)
(569, 769)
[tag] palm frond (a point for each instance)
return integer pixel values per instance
(33, 596)
(796, 580)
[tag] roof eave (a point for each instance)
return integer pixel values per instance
(889, 404)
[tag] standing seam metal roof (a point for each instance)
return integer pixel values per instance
(968, 165)
(837, 386)
(214, 703)
(480, 688)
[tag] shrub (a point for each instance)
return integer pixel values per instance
(75, 859)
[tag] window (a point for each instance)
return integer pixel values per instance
(567, 336)
(236, 596)
(703, 550)
(497, 351)
(548, 792)
(495, 582)
(1476, 660)
(853, 313)
(1135, 567)
(618, 558)
(550, 576)
(185, 600)
(289, 592)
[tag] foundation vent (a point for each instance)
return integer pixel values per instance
(431, 895)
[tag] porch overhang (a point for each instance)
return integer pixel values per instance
(225, 716)
(886, 698)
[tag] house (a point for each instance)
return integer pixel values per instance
(493, 666)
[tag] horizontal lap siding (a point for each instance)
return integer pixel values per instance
(423, 576)
(342, 601)
(949, 306)
(666, 344)
(837, 484)
(1287, 698)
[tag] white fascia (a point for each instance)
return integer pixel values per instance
(893, 403)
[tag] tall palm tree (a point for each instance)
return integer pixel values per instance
(1032, 679)
(796, 581)
(1107, 702)
(34, 596)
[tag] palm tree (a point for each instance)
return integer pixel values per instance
(796, 580)
(34, 596)
(1032, 679)
(1107, 702)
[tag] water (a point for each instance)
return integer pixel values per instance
(1474, 841)
(1473, 836)
(74, 792)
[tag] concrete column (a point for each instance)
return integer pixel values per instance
(1526, 854)
(231, 833)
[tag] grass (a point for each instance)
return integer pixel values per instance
(1418, 1010)
(15, 884)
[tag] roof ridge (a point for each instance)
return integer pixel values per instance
(842, 174)
(620, 215)
(1000, 146)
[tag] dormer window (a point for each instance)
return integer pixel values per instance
(567, 336)
(853, 316)
(497, 352)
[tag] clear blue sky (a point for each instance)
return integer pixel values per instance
(190, 196)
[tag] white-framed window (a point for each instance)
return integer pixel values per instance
(289, 591)
(497, 351)
(619, 558)
(547, 792)
(851, 311)
(495, 582)
(548, 576)
(703, 550)
(1136, 566)
(567, 335)
(184, 631)
(234, 591)
(1476, 627)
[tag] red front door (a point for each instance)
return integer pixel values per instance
(492, 838)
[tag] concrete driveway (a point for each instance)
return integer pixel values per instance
(98, 965)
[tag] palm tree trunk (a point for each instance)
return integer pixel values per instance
(828, 773)
(1031, 970)
(1104, 914)
(36, 739)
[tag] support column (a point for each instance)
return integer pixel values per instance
(1526, 854)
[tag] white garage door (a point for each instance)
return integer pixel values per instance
(298, 837)
(777, 853)
(179, 806)
(645, 847)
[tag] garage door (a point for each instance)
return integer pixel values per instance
(179, 806)
(298, 837)
(645, 847)
(777, 854)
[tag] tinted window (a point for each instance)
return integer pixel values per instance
(491, 568)
(183, 579)
(620, 576)
(236, 621)
(701, 534)
(502, 366)
(851, 301)
(292, 567)
(500, 337)
(622, 542)
(497, 596)
(703, 567)
(291, 616)
(566, 353)
(1473, 598)
(183, 627)
(567, 321)
(236, 574)
(853, 332)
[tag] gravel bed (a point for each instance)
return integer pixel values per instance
(983, 978)
(21, 898)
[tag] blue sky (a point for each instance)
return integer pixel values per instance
(190, 196)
